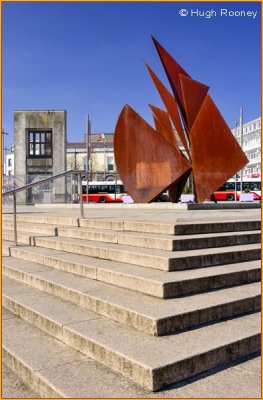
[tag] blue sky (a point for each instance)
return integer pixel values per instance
(89, 58)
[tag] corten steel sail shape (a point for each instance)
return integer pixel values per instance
(163, 125)
(216, 155)
(191, 96)
(147, 163)
(170, 105)
(164, 128)
(194, 94)
(172, 70)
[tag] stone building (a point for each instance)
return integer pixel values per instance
(101, 164)
(40, 151)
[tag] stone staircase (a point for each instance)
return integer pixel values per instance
(155, 302)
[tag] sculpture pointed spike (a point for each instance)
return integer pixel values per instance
(216, 155)
(163, 125)
(170, 105)
(194, 93)
(152, 165)
(172, 70)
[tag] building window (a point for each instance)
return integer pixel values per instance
(39, 144)
(84, 163)
(110, 163)
(9, 162)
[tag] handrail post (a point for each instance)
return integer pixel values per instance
(15, 226)
(25, 187)
(80, 197)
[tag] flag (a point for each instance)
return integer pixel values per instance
(101, 137)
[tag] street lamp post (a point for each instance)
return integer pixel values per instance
(88, 149)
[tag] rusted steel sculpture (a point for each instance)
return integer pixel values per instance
(151, 161)
(149, 164)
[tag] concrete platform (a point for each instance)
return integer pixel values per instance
(154, 211)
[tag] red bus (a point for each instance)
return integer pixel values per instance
(103, 191)
(231, 189)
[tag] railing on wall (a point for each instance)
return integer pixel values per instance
(14, 192)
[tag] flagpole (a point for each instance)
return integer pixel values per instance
(88, 133)
(241, 145)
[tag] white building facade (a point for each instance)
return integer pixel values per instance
(9, 166)
(251, 146)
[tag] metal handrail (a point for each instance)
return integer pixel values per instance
(51, 178)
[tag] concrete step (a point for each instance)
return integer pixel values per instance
(152, 362)
(86, 378)
(57, 370)
(145, 280)
(31, 227)
(13, 387)
(6, 244)
(152, 258)
(22, 236)
(137, 239)
(151, 315)
(93, 380)
(41, 218)
(163, 242)
(178, 228)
